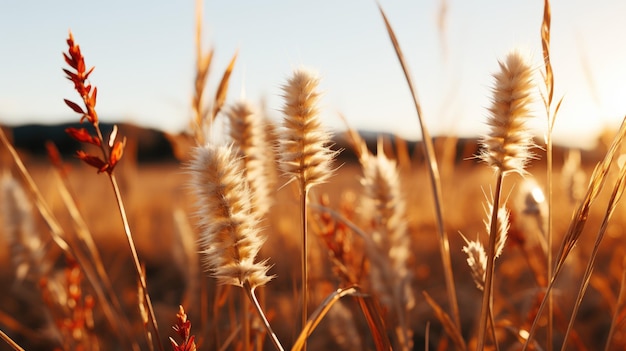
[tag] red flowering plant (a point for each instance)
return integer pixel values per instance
(113, 150)
(183, 329)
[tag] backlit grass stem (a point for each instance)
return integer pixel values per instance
(435, 180)
(506, 150)
(305, 155)
(111, 149)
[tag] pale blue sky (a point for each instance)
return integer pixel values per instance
(144, 57)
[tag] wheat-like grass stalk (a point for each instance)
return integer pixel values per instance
(230, 237)
(304, 152)
(390, 277)
(247, 130)
(618, 191)
(551, 118)
(203, 65)
(579, 220)
(506, 150)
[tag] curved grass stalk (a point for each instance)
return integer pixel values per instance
(255, 302)
(617, 193)
(431, 160)
(374, 321)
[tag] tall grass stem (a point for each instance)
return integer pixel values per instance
(489, 273)
(135, 257)
(433, 171)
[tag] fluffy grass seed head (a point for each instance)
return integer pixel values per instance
(304, 146)
(19, 225)
(247, 130)
(230, 236)
(477, 261)
(507, 146)
(390, 254)
(503, 225)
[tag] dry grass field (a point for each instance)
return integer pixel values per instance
(272, 237)
(154, 192)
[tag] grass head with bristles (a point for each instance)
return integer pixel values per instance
(507, 146)
(502, 224)
(304, 149)
(384, 199)
(388, 249)
(247, 130)
(477, 261)
(229, 235)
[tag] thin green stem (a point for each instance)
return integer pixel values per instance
(491, 253)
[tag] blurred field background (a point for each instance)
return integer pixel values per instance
(155, 192)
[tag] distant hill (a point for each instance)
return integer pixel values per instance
(151, 145)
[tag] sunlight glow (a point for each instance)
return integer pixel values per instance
(523, 334)
(537, 195)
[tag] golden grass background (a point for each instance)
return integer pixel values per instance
(153, 191)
